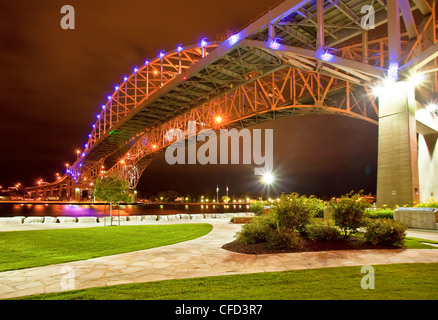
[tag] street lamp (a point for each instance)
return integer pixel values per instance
(268, 179)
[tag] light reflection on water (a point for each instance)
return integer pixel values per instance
(96, 210)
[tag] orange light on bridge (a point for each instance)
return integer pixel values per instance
(154, 146)
(218, 119)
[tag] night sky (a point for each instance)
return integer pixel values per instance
(52, 82)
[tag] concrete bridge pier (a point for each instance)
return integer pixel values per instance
(428, 165)
(397, 172)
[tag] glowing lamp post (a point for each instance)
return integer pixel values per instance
(268, 179)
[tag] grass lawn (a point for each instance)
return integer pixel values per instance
(397, 282)
(25, 249)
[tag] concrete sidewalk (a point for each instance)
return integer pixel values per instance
(195, 258)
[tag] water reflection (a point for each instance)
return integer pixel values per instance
(96, 210)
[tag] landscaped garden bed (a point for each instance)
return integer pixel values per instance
(352, 243)
(294, 224)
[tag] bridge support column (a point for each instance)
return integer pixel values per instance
(428, 166)
(397, 168)
(77, 194)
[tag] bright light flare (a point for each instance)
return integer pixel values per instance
(416, 79)
(218, 119)
(268, 178)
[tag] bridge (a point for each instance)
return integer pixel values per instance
(375, 63)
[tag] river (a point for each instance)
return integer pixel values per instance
(99, 210)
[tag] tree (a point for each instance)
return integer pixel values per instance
(348, 211)
(113, 190)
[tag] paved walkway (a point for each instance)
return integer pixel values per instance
(195, 258)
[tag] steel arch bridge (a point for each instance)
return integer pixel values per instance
(297, 58)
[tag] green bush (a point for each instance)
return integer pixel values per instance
(379, 214)
(316, 206)
(323, 231)
(257, 207)
(283, 238)
(429, 203)
(348, 212)
(257, 230)
(385, 232)
(292, 211)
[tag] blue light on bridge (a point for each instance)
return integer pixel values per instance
(94, 126)
(125, 78)
(135, 70)
(98, 116)
(103, 107)
(109, 97)
(274, 44)
(116, 88)
(83, 154)
(234, 38)
(393, 71)
(204, 42)
(180, 48)
(89, 136)
(146, 62)
(326, 56)
(162, 54)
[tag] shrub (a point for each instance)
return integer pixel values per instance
(283, 238)
(256, 231)
(385, 232)
(316, 206)
(429, 203)
(257, 207)
(323, 231)
(348, 212)
(379, 214)
(292, 211)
